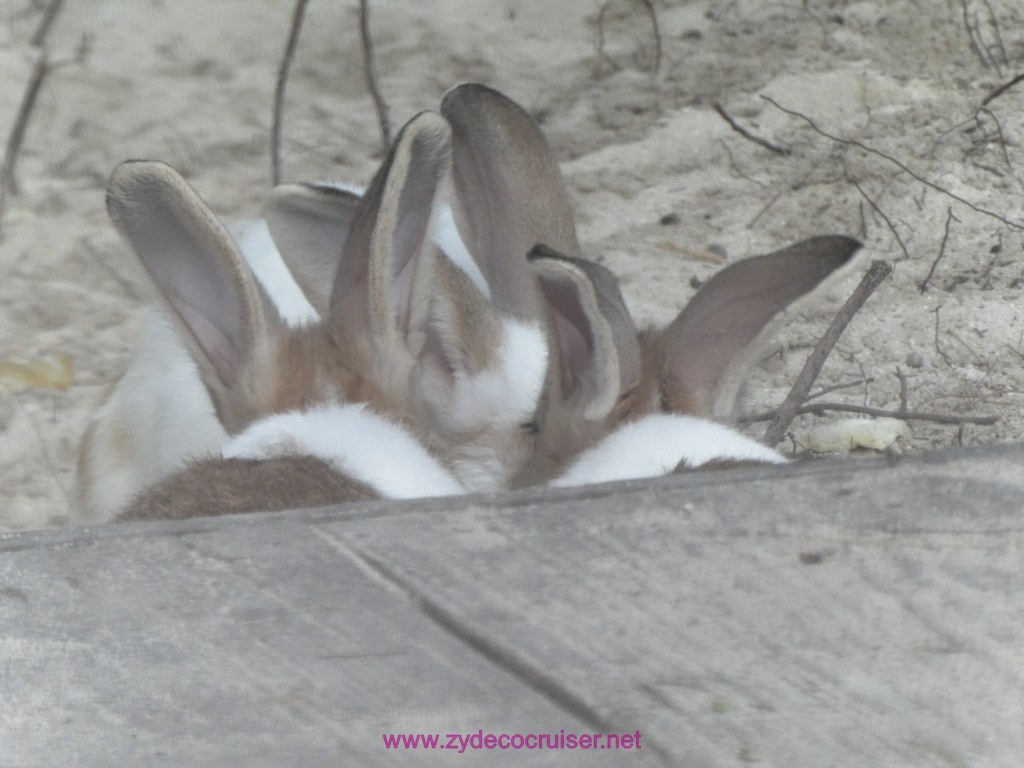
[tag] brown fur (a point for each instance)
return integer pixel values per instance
(232, 486)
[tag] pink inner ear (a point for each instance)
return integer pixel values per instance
(217, 346)
(575, 345)
(574, 353)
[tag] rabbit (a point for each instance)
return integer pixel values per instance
(160, 413)
(604, 373)
(693, 369)
(397, 306)
(328, 454)
(211, 486)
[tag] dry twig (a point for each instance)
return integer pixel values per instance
(370, 65)
(923, 285)
(820, 408)
(878, 271)
(902, 166)
(8, 181)
(938, 347)
(656, 29)
(747, 134)
(282, 79)
(45, 24)
(885, 218)
(1002, 89)
(903, 389)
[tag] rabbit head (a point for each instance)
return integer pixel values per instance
(253, 363)
(693, 370)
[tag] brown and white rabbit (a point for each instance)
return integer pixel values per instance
(327, 454)
(211, 487)
(390, 311)
(159, 413)
(603, 376)
(509, 231)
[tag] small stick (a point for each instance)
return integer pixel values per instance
(923, 285)
(657, 33)
(1003, 58)
(938, 347)
(282, 79)
(8, 181)
(878, 271)
(747, 134)
(371, 75)
(903, 389)
(885, 218)
(836, 387)
(699, 255)
(975, 46)
(819, 408)
(49, 16)
(902, 166)
(1002, 89)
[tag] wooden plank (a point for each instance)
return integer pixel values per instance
(248, 643)
(849, 614)
(845, 613)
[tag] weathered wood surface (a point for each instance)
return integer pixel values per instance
(846, 613)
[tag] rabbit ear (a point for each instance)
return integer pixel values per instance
(310, 224)
(197, 267)
(709, 348)
(509, 192)
(379, 289)
(594, 337)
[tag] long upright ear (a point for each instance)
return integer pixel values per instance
(196, 266)
(707, 351)
(509, 192)
(309, 224)
(377, 292)
(594, 339)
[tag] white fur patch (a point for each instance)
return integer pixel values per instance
(654, 446)
(448, 239)
(254, 240)
(509, 393)
(355, 441)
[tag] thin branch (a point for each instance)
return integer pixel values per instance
(938, 347)
(835, 387)
(1002, 137)
(747, 134)
(894, 161)
(885, 218)
(903, 389)
(923, 285)
(601, 55)
(8, 180)
(49, 16)
(975, 46)
(878, 271)
(1002, 89)
(649, 4)
(370, 66)
(820, 408)
(1003, 58)
(282, 79)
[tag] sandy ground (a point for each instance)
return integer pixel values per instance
(652, 168)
